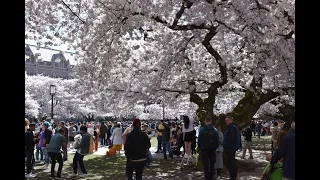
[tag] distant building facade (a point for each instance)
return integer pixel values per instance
(58, 67)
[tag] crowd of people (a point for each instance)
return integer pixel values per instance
(47, 143)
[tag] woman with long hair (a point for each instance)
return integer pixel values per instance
(188, 135)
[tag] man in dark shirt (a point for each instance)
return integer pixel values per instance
(57, 141)
(29, 149)
(165, 141)
(253, 127)
(135, 148)
(65, 134)
(231, 143)
(247, 144)
(103, 132)
(286, 150)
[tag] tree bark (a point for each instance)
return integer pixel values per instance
(249, 105)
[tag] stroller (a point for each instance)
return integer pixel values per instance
(276, 174)
(175, 148)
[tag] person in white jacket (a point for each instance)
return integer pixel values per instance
(116, 138)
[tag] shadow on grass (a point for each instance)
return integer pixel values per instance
(100, 168)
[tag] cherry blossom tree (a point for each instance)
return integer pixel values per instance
(141, 50)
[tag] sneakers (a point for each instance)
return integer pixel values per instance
(218, 178)
(83, 175)
(30, 175)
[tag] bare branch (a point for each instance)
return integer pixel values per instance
(179, 14)
(289, 18)
(181, 91)
(75, 14)
(260, 7)
(287, 36)
(158, 19)
(216, 55)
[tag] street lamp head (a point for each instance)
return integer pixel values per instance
(52, 90)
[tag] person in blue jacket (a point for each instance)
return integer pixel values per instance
(231, 143)
(286, 150)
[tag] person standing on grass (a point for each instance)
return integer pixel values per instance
(188, 135)
(166, 141)
(71, 133)
(47, 135)
(57, 142)
(208, 143)
(219, 158)
(259, 127)
(159, 137)
(253, 127)
(29, 149)
(286, 150)
(248, 141)
(66, 136)
(274, 134)
(82, 146)
(103, 134)
(136, 145)
(231, 143)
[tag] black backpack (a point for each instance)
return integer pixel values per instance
(210, 140)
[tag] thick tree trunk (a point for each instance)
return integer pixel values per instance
(249, 105)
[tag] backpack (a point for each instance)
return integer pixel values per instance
(210, 140)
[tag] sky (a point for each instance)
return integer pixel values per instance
(46, 54)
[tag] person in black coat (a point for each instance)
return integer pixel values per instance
(29, 144)
(135, 148)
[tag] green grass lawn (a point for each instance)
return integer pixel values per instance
(100, 168)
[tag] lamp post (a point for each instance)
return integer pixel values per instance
(52, 93)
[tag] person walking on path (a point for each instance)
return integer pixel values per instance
(248, 141)
(57, 142)
(208, 142)
(136, 145)
(231, 143)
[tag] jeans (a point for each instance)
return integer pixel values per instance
(149, 157)
(219, 172)
(39, 150)
(134, 166)
(56, 157)
(30, 161)
(159, 138)
(166, 147)
(247, 145)
(208, 161)
(103, 139)
(78, 158)
(46, 156)
(259, 134)
(231, 161)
